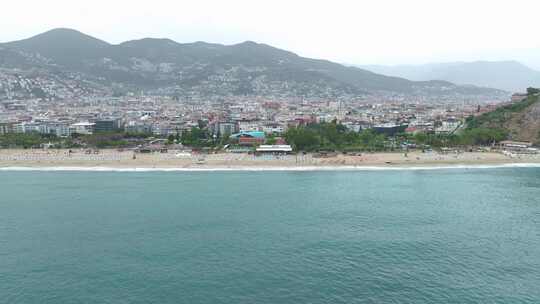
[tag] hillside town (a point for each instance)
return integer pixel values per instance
(163, 116)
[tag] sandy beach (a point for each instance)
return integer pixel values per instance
(178, 159)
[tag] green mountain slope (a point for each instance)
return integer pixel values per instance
(521, 120)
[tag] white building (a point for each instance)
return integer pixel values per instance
(273, 128)
(248, 125)
(28, 127)
(274, 149)
(59, 129)
(85, 128)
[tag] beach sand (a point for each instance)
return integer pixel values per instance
(177, 159)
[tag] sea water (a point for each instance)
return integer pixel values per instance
(399, 236)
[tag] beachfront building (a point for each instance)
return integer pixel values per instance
(226, 128)
(107, 125)
(6, 128)
(59, 129)
(84, 128)
(390, 129)
(138, 127)
(249, 138)
(29, 127)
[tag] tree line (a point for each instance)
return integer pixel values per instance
(335, 137)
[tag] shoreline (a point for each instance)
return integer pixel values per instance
(269, 169)
(177, 161)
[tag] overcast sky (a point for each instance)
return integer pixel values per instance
(355, 31)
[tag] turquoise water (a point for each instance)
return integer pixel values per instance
(442, 236)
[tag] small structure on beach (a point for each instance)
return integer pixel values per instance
(517, 146)
(281, 149)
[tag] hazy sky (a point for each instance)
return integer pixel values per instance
(361, 31)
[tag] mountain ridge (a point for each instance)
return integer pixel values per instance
(509, 75)
(247, 68)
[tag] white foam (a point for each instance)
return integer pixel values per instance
(251, 169)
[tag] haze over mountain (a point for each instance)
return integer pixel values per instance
(202, 68)
(505, 75)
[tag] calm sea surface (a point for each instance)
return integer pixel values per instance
(441, 236)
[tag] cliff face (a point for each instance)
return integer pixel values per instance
(525, 125)
(520, 120)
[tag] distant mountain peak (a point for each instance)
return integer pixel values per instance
(65, 46)
(248, 43)
(63, 35)
(62, 31)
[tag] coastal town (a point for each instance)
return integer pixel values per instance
(62, 108)
(161, 131)
(62, 104)
(85, 98)
(163, 116)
